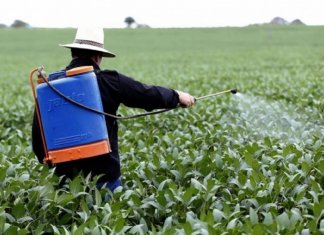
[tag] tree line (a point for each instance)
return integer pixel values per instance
(16, 24)
(129, 21)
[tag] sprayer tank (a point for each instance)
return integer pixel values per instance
(65, 124)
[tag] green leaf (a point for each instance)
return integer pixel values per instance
(321, 166)
(79, 230)
(232, 224)
(268, 220)
(322, 226)
(18, 210)
(197, 185)
(55, 230)
(218, 215)
(24, 219)
(3, 173)
(219, 161)
(83, 215)
(64, 199)
(137, 229)
(167, 223)
(187, 228)
(295, 216)
(10, 218)
(249, 159)
(119, 224)
(96, 231)
(253, 216)
(24, 177)
(188, 194)
(267, 141)
(98, 197)
(106, 218)
(75, 186)
(258, 229)
(12, 230)
(284, 220)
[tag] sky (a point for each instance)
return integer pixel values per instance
(158, 13)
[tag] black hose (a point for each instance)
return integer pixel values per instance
(98, 111)
(42, 75)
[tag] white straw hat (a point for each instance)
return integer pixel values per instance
(90, 39)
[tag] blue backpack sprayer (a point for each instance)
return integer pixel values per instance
(70, 114)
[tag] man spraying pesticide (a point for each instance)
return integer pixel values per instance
(75, 122)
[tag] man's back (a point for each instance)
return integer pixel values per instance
(114, 89)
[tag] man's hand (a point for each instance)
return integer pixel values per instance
(185, 99)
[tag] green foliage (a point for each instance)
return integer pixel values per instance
(251, 163)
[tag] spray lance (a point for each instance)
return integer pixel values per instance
(43, 78)
(233, 91)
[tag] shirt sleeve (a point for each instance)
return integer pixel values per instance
(139, 95)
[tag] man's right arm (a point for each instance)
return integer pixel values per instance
(138, 95)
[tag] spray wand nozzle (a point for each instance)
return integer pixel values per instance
(233, 91)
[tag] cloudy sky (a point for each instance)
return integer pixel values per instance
(159, 13)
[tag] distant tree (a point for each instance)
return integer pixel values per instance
(3, 26)
(279, 21)
(140, 26)
(19, 24)
(297, 22)
(129, 21)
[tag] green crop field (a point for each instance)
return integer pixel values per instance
(250, 163)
